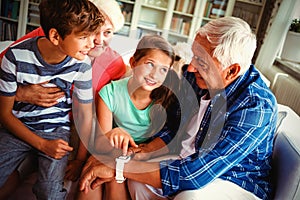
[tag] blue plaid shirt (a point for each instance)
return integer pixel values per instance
(234, 141)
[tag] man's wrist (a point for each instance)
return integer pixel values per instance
(120, 163)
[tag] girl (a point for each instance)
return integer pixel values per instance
(125, 106)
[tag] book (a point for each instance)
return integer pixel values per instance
(185, 28)
(185, 6)
(15, 9)
(176, 24)
(191, 7)
(179, 5)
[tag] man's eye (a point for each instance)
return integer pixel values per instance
(201, 63)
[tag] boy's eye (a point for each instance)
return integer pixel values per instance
(83, 37)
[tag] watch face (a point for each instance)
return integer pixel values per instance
(124, 157)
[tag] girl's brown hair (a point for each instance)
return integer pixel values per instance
(163, 95)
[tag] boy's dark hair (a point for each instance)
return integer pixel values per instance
(69, 15)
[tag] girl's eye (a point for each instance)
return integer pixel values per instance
(150, 64)
(164, 70)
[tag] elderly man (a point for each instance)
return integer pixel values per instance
(226, 140)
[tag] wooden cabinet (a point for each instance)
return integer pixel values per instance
(249, 10)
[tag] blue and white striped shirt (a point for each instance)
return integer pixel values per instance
(23, 65)
(244, 118)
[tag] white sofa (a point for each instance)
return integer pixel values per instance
(286, 162)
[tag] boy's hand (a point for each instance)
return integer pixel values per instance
(120, 139)
(38, 95)
(55, 148)
(73, 170)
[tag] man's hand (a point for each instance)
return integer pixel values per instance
(96, 172)
(39, 95)
(73, 169)
(142, 152)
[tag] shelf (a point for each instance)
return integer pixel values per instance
(154, 7)
(250, 11)
(9, 19)
(258, 3)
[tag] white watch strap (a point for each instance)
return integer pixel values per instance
(119, 172)
(120, 162)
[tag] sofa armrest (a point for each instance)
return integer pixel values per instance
(286, 157)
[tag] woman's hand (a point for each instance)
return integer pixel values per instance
(39, 95)
(120, 139)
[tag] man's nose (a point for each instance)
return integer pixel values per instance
(191, 68)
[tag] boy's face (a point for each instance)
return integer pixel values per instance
(77, 45)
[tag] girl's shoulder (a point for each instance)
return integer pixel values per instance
(117, 85)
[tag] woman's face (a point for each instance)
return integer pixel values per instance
(103, 38)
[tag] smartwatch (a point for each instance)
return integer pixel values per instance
(120, 162)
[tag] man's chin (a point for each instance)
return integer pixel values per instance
(201, 84)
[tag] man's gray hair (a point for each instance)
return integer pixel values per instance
(232, 41)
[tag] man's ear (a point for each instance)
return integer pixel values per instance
(232, 72)
(54, 36)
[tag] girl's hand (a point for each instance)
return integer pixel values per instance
(120, 139)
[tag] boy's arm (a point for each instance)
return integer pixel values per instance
(83, 123)
(82, 114)
(53, 148)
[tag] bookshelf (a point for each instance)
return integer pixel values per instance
(10, 19)
(249, 10)
(18, 17)
(33, 15)
(175, 20)
(127, 10)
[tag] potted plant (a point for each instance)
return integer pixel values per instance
(291, 50)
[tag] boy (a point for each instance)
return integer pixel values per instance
(58, 59)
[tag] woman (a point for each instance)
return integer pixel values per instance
(107, 65)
